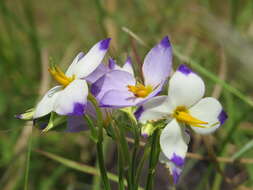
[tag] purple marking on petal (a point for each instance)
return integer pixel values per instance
(175, 175)
(80, 56)
(104, 44)
(222, 117)
(165, 42)
(78, 109)
(179, 161)
(111, 63)
(96, 87)
(184, 69)
(138, 112)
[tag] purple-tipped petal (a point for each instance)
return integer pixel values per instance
(174, 143)
(157, 63)
(184, 69)
(222, 117)
(185, 89)
(209, 110)
(165, 42)
(87, 64)
(104, 44)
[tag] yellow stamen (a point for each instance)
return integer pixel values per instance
(139, 90)
(181, 114)
(60, 77)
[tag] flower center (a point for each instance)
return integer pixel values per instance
(60, 77)
(181, 114)
(139, 90)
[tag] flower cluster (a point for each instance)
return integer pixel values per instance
(114, 87)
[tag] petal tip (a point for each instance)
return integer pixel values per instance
(104, 44)
(222, 117)
(165, 42)
(112, 63)
(184, 69)
(80, 56)
(178, 160)
(129, 60)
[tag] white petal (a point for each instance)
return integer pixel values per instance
(156, 108)
(45, 106)
(208, 110)
(72, 100)
(70, 70)
(174, 142)
(92, 59)
(185, 87)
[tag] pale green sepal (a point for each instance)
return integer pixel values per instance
(54, 121)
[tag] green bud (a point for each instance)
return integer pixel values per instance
(147, 129)
(28, 115)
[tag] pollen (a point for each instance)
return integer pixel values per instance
(139, 90)
(182, 115)
(60, 77)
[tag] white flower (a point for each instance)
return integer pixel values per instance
(70, 97)
(184, 106)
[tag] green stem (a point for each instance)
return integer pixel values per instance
(102, 166)
(100, 143)
(154, 154)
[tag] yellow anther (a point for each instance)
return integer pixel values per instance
(181, 114)
(139, 90)
(60, 77)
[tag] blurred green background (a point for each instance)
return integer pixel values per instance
(216, 37)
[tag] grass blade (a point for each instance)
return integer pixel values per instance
(243, 150)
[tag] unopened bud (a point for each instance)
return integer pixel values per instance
(28, 115)
(147, 130)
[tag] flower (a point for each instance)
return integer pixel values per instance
(184, 106)
(118, 88)
(70, 97)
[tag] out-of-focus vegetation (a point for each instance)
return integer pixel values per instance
(214, 36)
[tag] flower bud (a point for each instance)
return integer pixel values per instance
(147, 130)
(28, 115)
